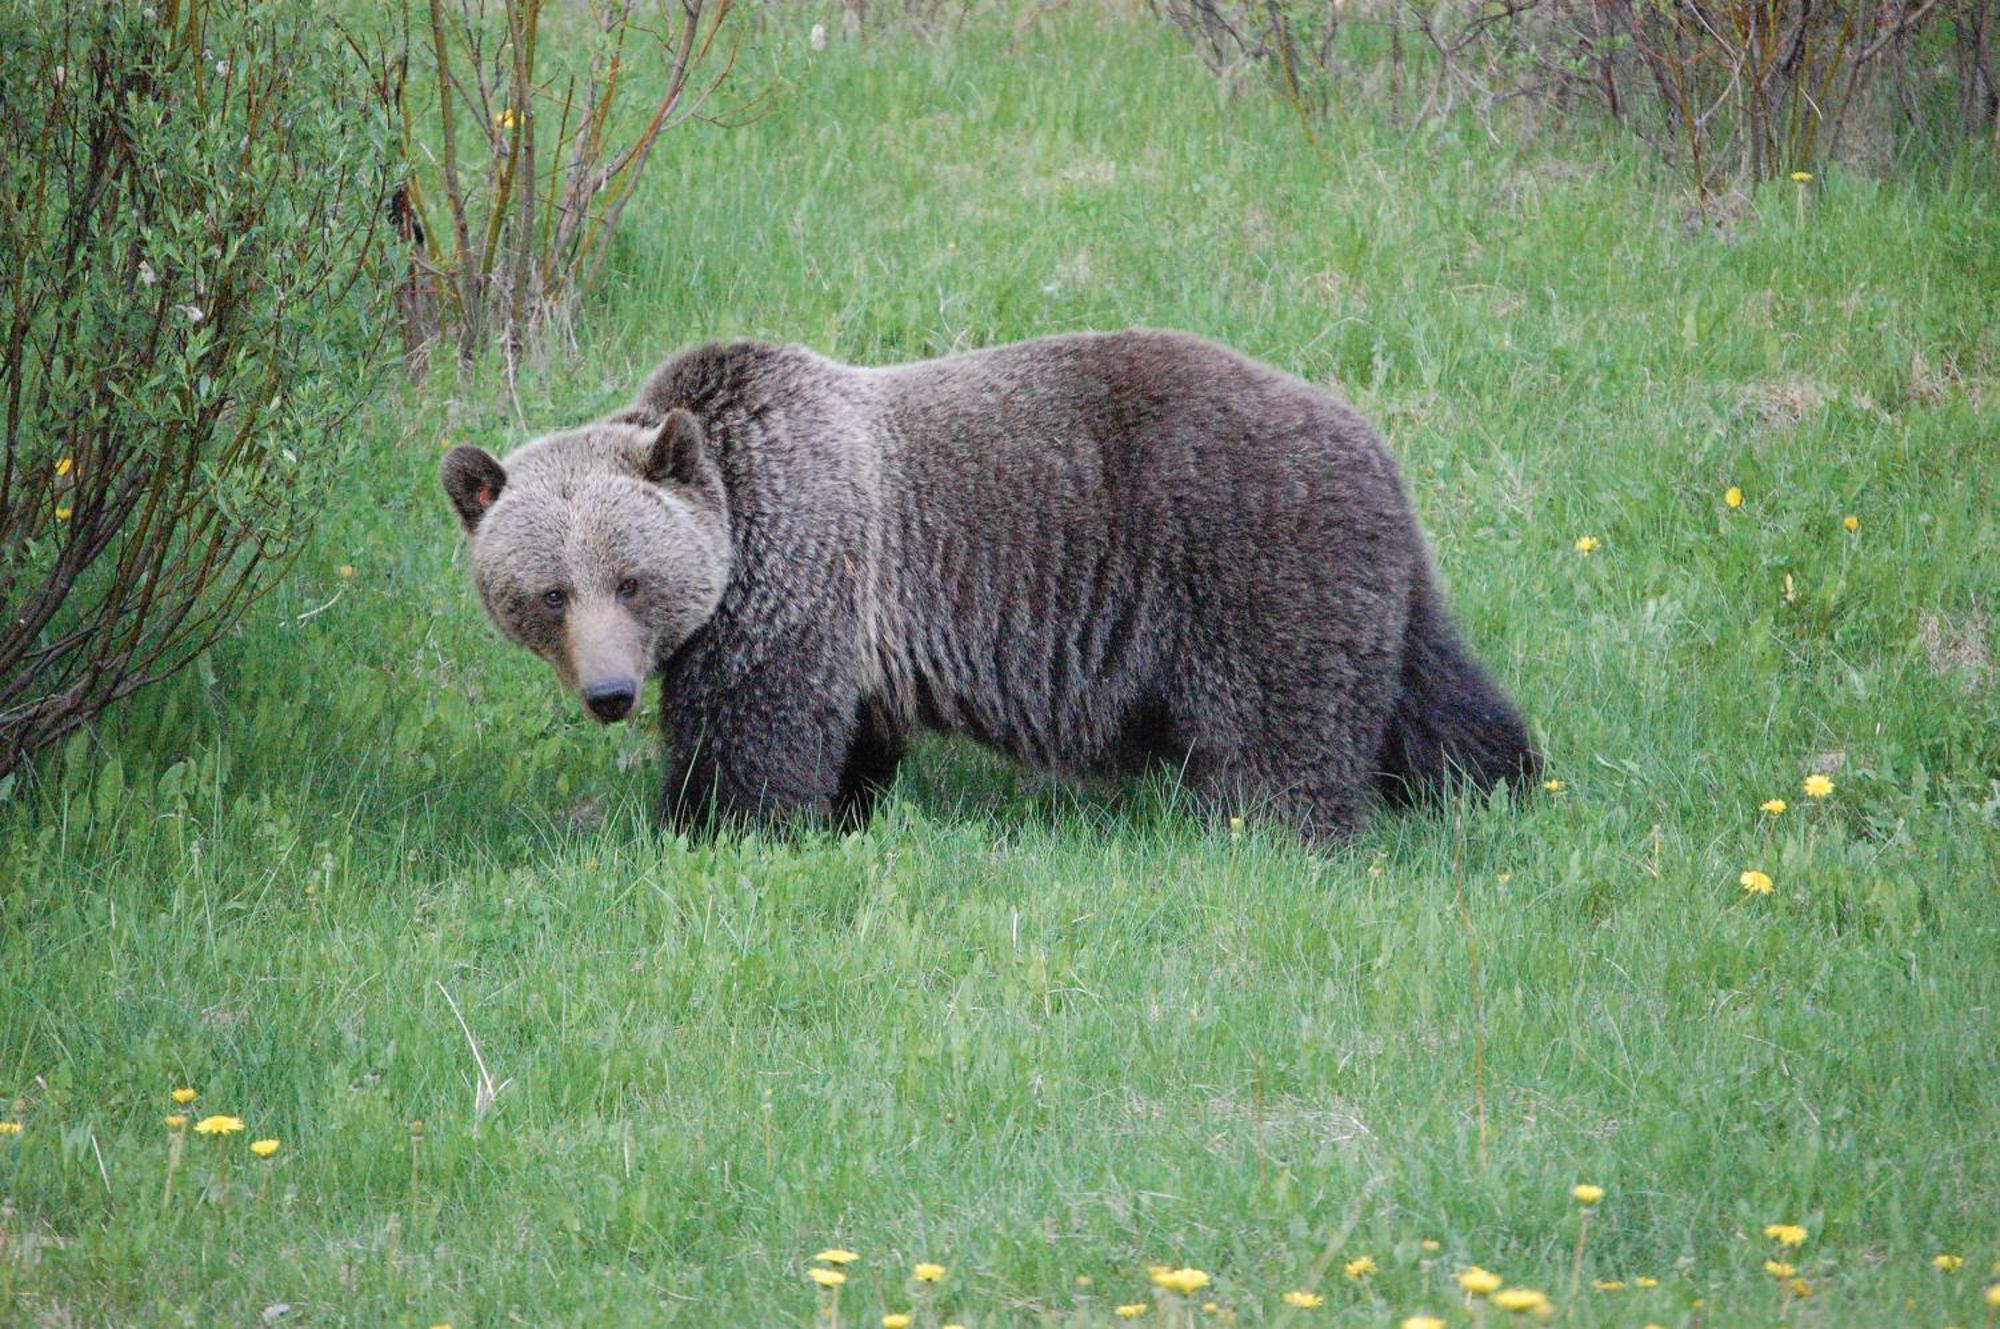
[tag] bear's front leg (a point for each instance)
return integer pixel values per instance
(758, 759)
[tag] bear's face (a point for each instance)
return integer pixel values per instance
(601, 549)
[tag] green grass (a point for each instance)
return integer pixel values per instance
(1034, 1032)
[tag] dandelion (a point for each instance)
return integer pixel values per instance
(1423, 1322)
(1817, 786)
(218, 1125)
(63, 511)
(1587, 1194)
(1778, 1269)
(1608, 1285)
(1187, 1282)
(1553, 786)
(1786, 1234)
(836, 1255)
(1755, 882)
(1949, 1263)
(506, 117)
(1851, 523)
(1304, 1301)
(1082, 1280)
(1130, 1311)
(1431, 1245)
(1993, 1296)
(1359, 1269)
(346, 571)
(817, 37)
(9, 1128)
(175, 1121)
(826, 1277)
(184, 1096)
(896, 1320)
(1802, 177)
(928, 1273)
(63, 466)
(263, 1148)
(1643, 1281)
(1477, 1282)
(1733, 496)
(1774, 806)
(1587, 544)
(1519, 1299)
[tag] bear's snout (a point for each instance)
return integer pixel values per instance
(611, 699)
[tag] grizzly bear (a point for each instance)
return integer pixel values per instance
(1093, 552)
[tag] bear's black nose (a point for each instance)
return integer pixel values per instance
(610, 701)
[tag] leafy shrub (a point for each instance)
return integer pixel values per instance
(525, 137)
(190, 227)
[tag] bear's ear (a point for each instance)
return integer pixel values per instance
(676, 452)
(472, 480)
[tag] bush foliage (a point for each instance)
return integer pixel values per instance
(190, 228)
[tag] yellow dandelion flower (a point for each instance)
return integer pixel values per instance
(1817, 786)
(896, 1320)
(928, 1273)
(1608, 1285)
(1553, 786)
(1801, 1288)
(63, 511)
(10, 1128)
(346, 571)
(1518, 1299)
(63, 467)
(1585, 545)
(826, 1277)
(218, 1125)
(1733, 496)
(1851, 522)
(441, 1326)
(1774, 806)
(1802, 177)
(1755, 882)
(1478, 1282)
(1423, 1322)
(1130, 1311)
(1210, 1307)
(175, 1121)
(1304, 1301)
(1949, 1263)
(1786, 1234)
(1236, 823)
(1643, 1281)
(1184, 1281)
(1359, 1269)
(1430, 1245)
(1993, 1295)
(1778, 1269)
(1082, 1280)
(836, 1255)
(1587, 1194)
(506, 117)
(263, 1148)
(184, 1095)
(951, 1326)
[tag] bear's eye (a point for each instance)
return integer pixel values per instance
(554, 599)
(628, 588)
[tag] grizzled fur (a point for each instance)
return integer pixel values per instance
(1092, 552)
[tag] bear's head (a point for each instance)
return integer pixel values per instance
(600, 549)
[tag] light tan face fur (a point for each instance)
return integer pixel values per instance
(600, 549)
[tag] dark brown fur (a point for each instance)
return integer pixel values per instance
(1092, 552)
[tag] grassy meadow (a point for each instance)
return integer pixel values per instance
(365, 865)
